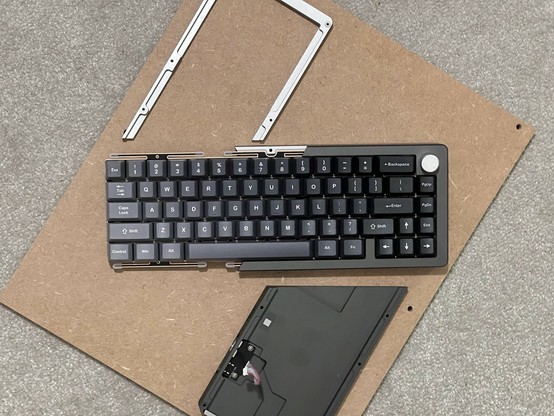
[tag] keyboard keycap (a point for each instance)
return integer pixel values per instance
(352, 248)
(393, 206)
(323, 165)
(426, 205)
(261, 167)
(204, 230)
(406, 226)
(120, 191)
(426, 225)
(183, 230)
(225, 230)
(218, 167)
(129, 232)
(426, 247)
(267, 229)
(240, 167)
(302, 166)
(189, 189)
(120, 253)
(164, 230)
(136, 169)
(146, 252)
(115, 169)
(287, 228)
(384, 247)
(406, 247)
(152, 211)
(375, 186)
(401, 185)
(168, 189)
(246, 229)
(124, 211)
(378, 226)
(427, 184)
(156, 168)
(344, 165)
(172, 252)
(327, 249)
(364, 164)
(147, 190)
(397, 164)
(308, 228)
(350, 226)
(281, 166)
(197, 168)
(258, 250)
(177, 169)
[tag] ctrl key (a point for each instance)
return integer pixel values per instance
(120, 253)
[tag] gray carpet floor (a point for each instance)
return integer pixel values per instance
(485, 346)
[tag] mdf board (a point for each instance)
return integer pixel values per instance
(167, 330)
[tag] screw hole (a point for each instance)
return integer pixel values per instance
(387, 315)
(518, 126)
(204, 404)
(271, 120)
(410, 308)
(172, 60)
(359, 364)
(261, 307)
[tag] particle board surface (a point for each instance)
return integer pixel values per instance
(168, 330)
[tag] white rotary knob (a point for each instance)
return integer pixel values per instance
(430, 163)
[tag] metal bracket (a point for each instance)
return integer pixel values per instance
(324, 23)
(167, 71)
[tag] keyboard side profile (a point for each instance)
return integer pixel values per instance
(280, 208)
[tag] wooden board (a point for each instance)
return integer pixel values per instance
(168, 330)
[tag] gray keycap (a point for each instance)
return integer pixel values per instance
(124, 211)
(146, 252)
(184, 230)
(147, 189)
(164, 230)
(114, 169)
(118, 191)
(250, 250)
(119, 253)
(168, 189)
(225, 229)
(135, 169)
(352, 248)
(204, 230)
(171, 251)
(246, 229)
(129, 231)
(326, 249)
(152, 211)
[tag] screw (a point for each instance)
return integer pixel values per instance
(250, 348)
(234, 375)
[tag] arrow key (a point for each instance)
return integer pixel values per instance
(426, 247)
(406, 226)
(384, 248)
(406, 247)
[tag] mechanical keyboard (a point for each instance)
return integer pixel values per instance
(280, 208)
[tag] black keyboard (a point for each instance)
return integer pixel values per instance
(280, 208)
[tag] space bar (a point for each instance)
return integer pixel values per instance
(250, 250)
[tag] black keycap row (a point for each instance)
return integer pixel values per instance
(280, 166)
(271, 208)
(250, 188)
(265, 229)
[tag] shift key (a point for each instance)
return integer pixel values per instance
(129, 232)
(393, 206)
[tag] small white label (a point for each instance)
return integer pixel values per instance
(267, 322)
